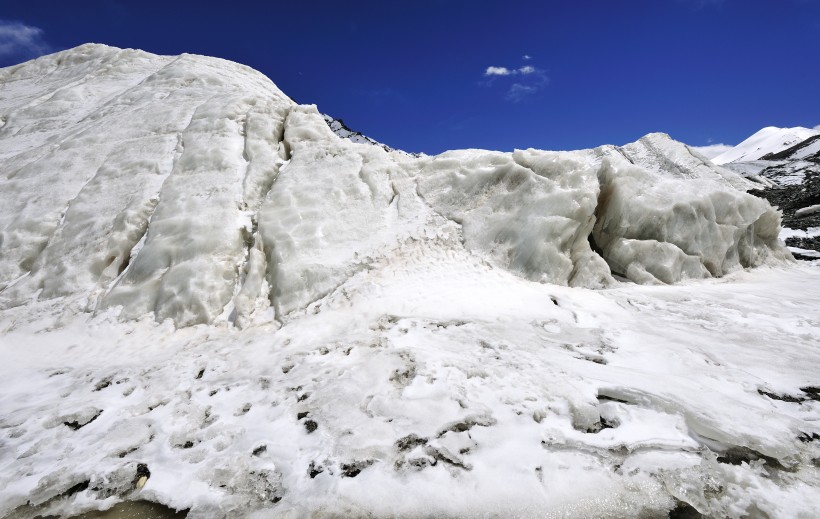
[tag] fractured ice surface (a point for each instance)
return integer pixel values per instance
(210, 300)
(672, 230)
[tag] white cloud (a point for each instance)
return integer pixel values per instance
(18, 40)
(526, 57)
(518, 92)
(498, 71)
(504, 71)
(712, 150)
(817, 127)
(528, 80)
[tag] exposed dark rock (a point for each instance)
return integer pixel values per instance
(409, 442)
(80, 423)
(354, 468)
(314, 470)
(739, 455)
(259, 450)
(684, 511)
(783, 398)
(813, 392)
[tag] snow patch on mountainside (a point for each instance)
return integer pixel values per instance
(769, 140)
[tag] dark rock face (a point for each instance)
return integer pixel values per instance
(796, 187)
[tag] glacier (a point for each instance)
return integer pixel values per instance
(217, 299)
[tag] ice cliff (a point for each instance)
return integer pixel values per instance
(189, 186)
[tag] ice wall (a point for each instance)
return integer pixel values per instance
(530, 211)
(653, 229)
(192, 189)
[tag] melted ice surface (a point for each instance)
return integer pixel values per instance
(212, 299)
(193, 189)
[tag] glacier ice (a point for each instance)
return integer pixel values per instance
(651, 224)
(182, 180)
(177, 184)
(214, 298)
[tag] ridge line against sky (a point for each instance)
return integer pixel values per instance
(435, 75)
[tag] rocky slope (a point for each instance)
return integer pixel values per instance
(787, 163)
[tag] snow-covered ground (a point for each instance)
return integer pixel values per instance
(433, 385)
(210, 300)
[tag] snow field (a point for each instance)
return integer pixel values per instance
(432, 384)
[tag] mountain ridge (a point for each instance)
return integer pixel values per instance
(766, 141)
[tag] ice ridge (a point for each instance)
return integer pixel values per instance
(192, 189)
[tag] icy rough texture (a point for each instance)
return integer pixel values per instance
(124, 138)
(191, 188)
(216, 299)
(530, 212)
(655, 225)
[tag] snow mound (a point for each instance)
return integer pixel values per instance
(193, 189)
(769, 140)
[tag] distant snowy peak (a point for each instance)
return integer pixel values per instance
(768, 141)
(341, 130)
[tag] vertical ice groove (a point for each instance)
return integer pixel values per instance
(263, 150)
(20, 293)
(267, 242)
(107, 281)
(27, 256)
(152, 271)
(107, 284)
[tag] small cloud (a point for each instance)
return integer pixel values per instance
(712, 150)
(21, 41)
(498, 71)
(528, 80)
(526, 57)
(518, 92)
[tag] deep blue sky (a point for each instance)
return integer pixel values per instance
(413, 74)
